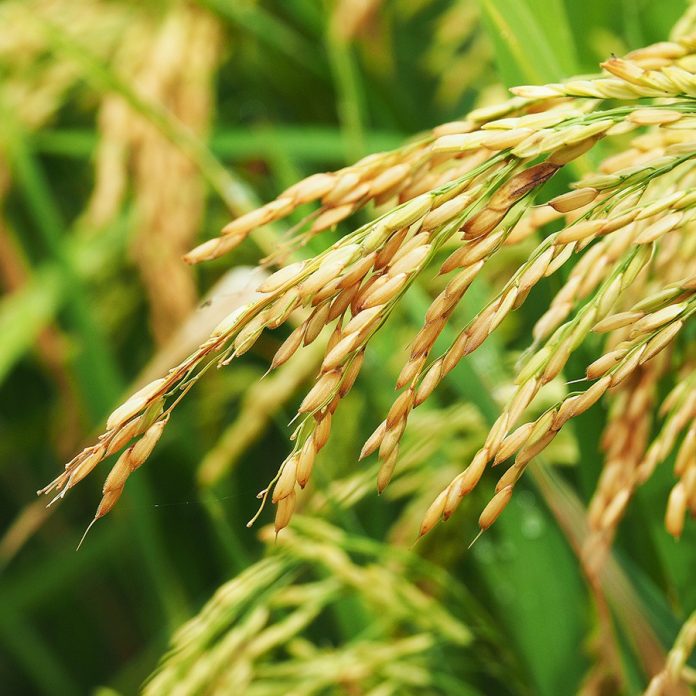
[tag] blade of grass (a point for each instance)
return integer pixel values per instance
(256, 21)
(316, 145)
(349, 98)
(24, 314)
(523, 51)
(27, 311)
(95, 367)
(37, 659)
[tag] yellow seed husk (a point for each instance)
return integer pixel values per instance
(287, 479)
(454, 127)
(536, 270)
(479, 330)
(322, 431)
(482, 223)
(311, 188)
(453, 260)
(124, 435)
(495, 507)
(523, 397)
(120, 471)
(459, 284)
(408, 213)
(480, 250)
(331, 217)
(628, 365)
(362, 320)
(507, 302)
(617, 321)
(660, 228)
(534, 364)
(230, 322)
(213, 248)
(282, 277)
(429, 382)
(440, 307)
(347, 182)
(513, 442)
(351, 374)
(503, 140)
(390, 249)
(261, 216)
(87, 465)
(391, 439)
(453, 498)
(567, 202)
(316, 282)
(472, 474)
(410, 370)
(142, 449)
(357, 271)
(576, 405)
(381, 293)
(424, 339)
(656, 319)
(585, 229)
(604, 363)
(374, 441)
(458, 142)
(407, 247)
(433, 514)
(386, 470)
(411, 261)
(556, 362)
(109, 499)
(281, 310)
(687, 452)
(399, 408)
(447, 211)
(305, 463)
(288, 348)
(341, 303)
(249, 335)
(135, 404)
(528, 452)
(654, 117)
(661, 340)
(541, 426)
(496, 434)
(570, 152)
(341, 351)
(284, 512)
(510, 477)
(316, 322)
(387, 179)
(320, 392)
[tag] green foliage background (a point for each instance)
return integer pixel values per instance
(291, 97)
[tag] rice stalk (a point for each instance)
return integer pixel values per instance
(170, 61)
(251, 634)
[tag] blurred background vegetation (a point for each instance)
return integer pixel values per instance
(132, 130)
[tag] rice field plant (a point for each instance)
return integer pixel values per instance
(374, 324)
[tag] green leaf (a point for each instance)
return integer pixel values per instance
(532, 40)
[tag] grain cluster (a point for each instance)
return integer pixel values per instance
(459, 197)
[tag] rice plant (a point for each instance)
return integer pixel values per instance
(513, 273)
